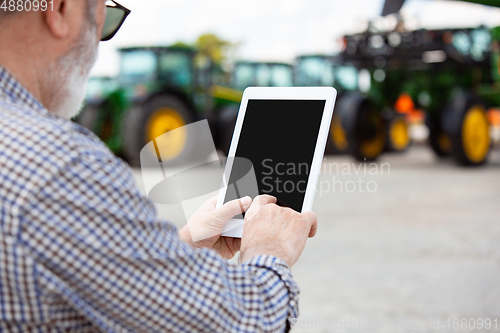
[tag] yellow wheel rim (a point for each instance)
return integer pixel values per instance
(476, 134)
(373, 147)
(338, 134)
(162, 121)
(399, 135)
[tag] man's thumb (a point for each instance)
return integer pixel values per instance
(233, 208)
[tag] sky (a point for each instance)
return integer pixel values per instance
(274, 30)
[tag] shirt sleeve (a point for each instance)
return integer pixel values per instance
(99, 246)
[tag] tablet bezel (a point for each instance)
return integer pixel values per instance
(328, 94)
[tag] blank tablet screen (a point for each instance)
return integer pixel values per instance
(279, 138)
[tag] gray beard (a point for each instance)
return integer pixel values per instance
(67, 76)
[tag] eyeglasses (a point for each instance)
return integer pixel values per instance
(115, 16)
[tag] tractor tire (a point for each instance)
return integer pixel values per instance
(439, 140)
(398, 133)
(469, 130)
(88, 118)
(337, 139)
(364, 126)
(226, 124)
(155, 117)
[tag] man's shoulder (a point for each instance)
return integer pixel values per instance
(41, 145)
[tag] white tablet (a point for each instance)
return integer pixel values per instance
(277, 147)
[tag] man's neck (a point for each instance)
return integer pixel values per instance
(25, 76)
(17, 43)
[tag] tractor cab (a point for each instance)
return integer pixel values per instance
(178, 70)
(324, 70)
(262, 74)
(98, 88)
(314, 70)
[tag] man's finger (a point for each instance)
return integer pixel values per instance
(260, 200)
(213, 200)
(264, 199)
(233, 208)
(236, 244)
(312, 219)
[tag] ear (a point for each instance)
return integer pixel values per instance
(56, 19)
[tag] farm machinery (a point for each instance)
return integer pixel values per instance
(450, 74)
(327, 70)
(251, 74)
(262, 74)
(160, 89)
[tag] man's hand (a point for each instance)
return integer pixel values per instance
(205, 226)
(277, 231)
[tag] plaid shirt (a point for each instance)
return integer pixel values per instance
(82, 250)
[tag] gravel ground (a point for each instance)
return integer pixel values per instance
(409, 245)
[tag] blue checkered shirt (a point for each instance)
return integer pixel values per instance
(82, 250)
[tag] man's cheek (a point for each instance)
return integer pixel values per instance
(100, 17)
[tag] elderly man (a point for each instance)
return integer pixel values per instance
(80, 249)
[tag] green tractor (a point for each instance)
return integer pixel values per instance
(450, 74)
(251, 74)
(98, 90)
(98, 87)
(160, 89)
(262, 74)
(440, 71)
(326, 70)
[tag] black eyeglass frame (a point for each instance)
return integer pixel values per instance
(126, 13)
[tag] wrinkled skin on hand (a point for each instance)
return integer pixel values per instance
(277, 231)
(268, 230)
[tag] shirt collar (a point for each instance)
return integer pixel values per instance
(17, 93)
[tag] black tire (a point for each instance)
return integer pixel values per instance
(225, 128)
(88, 118)
(439, 140)
(136, 131)
(364, 126)
(467, 124)
(397, 138)
(337, 140)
